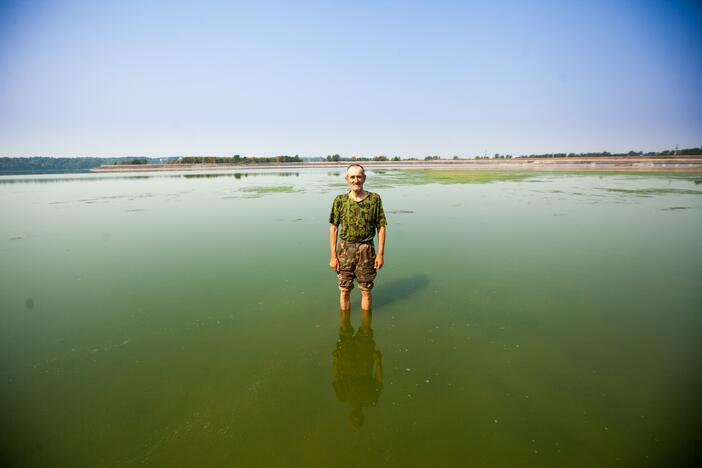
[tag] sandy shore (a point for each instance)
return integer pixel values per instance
(658, 163)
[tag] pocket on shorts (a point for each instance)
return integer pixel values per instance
(366, 275)
(345, 256)
(366, 256)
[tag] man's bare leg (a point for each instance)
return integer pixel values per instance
(345, 300)
(366, 300)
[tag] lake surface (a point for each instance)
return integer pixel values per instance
(540, 319)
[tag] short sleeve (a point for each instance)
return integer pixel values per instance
(335, 215)
(381, 221)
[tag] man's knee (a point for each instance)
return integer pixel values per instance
(366, 292)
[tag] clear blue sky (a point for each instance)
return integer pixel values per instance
(157, 78)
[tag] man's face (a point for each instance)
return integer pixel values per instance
(355, 178)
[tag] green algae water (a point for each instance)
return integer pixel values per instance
(522, 319)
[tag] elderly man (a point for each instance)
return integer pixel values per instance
(360, 214)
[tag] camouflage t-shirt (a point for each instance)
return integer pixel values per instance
(359, 220)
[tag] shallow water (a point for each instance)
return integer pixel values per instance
(544, 319)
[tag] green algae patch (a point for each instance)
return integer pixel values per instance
(437, 176)
(649, 192)
(255, 192)
(395, 178)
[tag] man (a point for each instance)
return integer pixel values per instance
(360, 214)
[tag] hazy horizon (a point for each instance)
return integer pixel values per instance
(343, 156)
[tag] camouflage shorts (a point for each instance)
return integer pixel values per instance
(356, 261)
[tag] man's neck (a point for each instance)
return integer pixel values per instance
(358, 195)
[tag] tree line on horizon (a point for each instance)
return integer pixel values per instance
(676, 152)
(48, 164)
(236, 159)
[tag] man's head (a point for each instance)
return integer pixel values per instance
(355, 177)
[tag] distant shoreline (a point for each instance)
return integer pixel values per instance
(652, 163)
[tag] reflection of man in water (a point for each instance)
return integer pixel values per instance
(357, 367)
(360, 214)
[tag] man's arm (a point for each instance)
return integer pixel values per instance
(334, 260)
(379, 260)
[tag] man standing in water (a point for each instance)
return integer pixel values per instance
(360, 214)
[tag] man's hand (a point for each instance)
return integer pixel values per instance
(334, 264)
(379, 262)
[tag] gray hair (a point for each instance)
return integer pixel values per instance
(356, 165)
